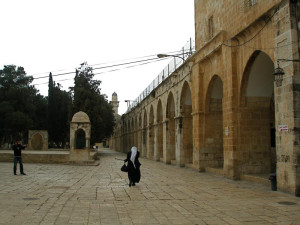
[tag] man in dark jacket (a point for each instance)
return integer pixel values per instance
(17, 147)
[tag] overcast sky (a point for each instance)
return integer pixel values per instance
(58, 35)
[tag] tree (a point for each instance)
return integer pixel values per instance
(21, 106)
(59, 113)
(88, 98)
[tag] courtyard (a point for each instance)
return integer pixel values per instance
(68, 194)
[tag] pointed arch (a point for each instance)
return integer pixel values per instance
(257, 131)
(186, 125)
(145, 138)
(151, 133)
(170, 129)
(159, 135)
(214, 123)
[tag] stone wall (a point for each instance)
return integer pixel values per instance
(236, 106)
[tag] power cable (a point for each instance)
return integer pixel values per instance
(110, 70)
(173, 52)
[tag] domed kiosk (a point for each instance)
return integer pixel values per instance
(80, 135)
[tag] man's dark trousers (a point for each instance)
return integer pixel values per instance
(16, 160)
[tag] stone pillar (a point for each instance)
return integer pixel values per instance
(144, 142)
(287, 100)
(230, 113)
(156, 147)
(165, 140)
(140, 140)
(198, 117)
(179, 142)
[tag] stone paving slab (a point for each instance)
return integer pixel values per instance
(68, 194)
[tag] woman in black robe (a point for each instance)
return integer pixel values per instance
(133, 166)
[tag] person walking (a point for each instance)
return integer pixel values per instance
(17, 147)
(133, 166)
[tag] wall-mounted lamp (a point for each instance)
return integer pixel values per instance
(180, 124)
(279, 72)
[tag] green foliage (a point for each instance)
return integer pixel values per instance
(21, 106)
(87, 98)
(59, 113)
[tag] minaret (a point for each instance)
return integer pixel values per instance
(115, 103)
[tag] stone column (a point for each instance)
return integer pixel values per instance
(287, 99)
(165, 140)
(155, 133)
(179, 141)
(230, 114)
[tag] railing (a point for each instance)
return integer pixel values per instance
(176, 62)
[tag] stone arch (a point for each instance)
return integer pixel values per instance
(186, 125)
(151, 133)
(140, 132)
(136, 140)
(170, 129)
(132, 133)
(145, 139)
(80, 139)
(213, 150)
(159, 132)
(125, 133)
(37, 140)
(257, 131)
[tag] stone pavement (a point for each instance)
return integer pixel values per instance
(67, 194)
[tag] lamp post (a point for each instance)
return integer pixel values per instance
(165, 55)
(128, 102)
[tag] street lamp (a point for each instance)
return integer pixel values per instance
(279, 72)
(165, 55)
(128, 102)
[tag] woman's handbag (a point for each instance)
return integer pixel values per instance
(124, 168)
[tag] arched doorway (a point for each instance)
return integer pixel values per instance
(170, 129)
(145, 135)
(37, 142)
(151, 134)
(140, 133)
(132, 134)
(257, 116)
(125, 139)
(159, 135)
(213, 151)
(80, 139)
(136, 140)
(186, 124)
(129, 135)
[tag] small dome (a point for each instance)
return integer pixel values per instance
(114, 94)
(80, 117)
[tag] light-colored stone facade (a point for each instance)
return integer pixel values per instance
(222, 108)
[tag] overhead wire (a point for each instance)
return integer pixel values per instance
(109, 71)
(114, 64)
